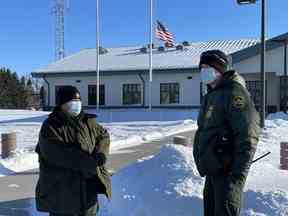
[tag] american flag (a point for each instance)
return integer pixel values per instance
(163, 34)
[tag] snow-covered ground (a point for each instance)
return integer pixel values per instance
(168, 184)
(134, 131)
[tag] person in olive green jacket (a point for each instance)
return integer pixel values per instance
(227, 135)
(72, 150)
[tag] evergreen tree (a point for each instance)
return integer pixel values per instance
(15, 92)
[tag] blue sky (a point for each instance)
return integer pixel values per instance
(27, 36)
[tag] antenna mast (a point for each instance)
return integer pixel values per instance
(59, 11)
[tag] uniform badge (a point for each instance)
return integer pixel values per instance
(238, 103)
(209, 112)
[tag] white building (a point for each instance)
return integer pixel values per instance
(124, 74)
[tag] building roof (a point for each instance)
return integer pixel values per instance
(132, 59)
(251, 51)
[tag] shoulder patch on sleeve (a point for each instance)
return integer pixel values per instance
(238, 103)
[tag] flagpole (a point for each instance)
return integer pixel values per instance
(97, 56)
(150, 56)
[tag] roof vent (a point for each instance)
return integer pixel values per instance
(161, 49)
(143, 50)
(169, 45)
(186, 43)
(102, 50)
(153, 46)
(179, 47)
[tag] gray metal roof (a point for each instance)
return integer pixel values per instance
(255, 50)
(131, 59)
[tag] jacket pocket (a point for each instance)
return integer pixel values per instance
(209, 164)
(48, 181)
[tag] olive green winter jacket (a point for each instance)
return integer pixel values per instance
(72, 153)
(228, 129)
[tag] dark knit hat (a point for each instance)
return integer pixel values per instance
(66, 94)
(216, 59)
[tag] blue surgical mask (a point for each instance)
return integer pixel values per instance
(74, 107)
(208, 75)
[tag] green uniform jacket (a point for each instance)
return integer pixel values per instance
(70, 178)
(228, 129)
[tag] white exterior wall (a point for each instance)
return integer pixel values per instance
(274, 63)
(189, 88)
(250, 69)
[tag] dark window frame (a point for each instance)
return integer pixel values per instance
(282, 85)
(170, 93)
(282, 90)
(132, 94)
(92, 95)
(254, 88)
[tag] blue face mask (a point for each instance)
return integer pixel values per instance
(74, 107)
(208, 75)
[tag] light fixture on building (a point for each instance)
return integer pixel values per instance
(242, 2)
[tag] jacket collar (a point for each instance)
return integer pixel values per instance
(229, 77)
(61, 116)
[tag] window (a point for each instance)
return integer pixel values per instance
(131, 94)
(254, 87)
(282, 86)
(283, 94)
(169, 93)
(92, 95)
(56, 93)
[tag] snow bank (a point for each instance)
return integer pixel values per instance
(169, 184)
(128, 134)
(266, 173)
(166, 184)
(21, 160)
(278, 115)
(8, 115)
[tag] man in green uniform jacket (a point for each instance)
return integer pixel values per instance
(227, 135)
(72, 151)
